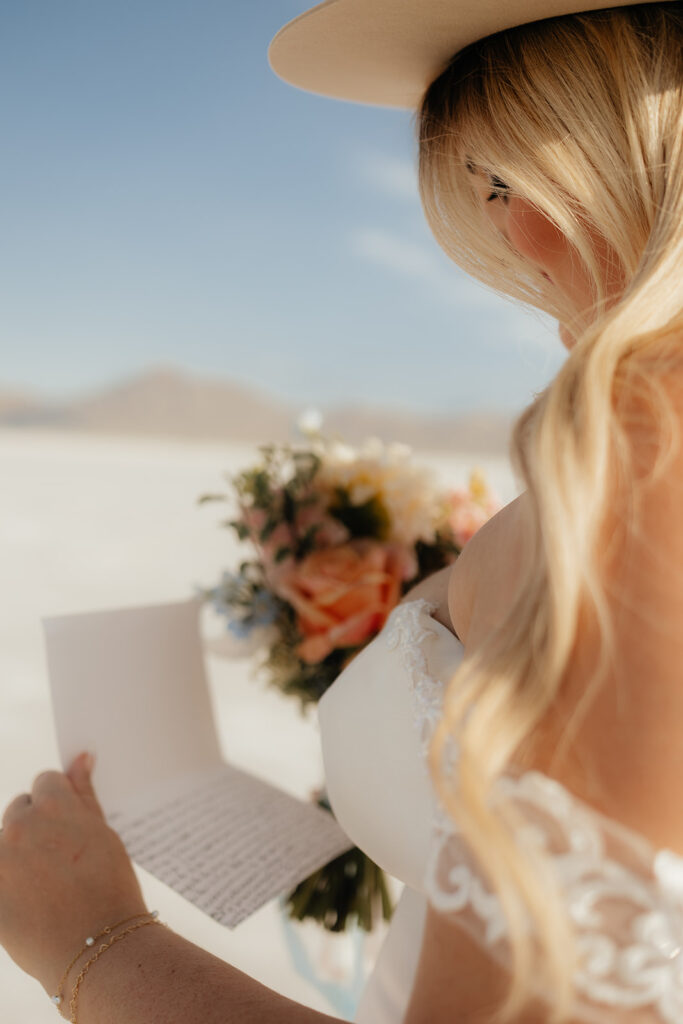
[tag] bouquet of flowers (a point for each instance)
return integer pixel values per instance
(336, 535)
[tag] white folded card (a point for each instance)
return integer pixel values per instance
(129, 684)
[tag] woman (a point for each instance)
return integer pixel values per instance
(551, 166)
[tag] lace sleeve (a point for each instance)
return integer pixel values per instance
(624, 897)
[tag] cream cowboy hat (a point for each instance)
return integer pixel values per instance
(386, 52)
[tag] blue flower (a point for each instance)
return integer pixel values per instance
(240, 628)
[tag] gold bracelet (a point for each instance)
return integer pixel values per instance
(73, 1008)
(90, 941)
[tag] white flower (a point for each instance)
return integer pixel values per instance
(407, 492)
(310, 422)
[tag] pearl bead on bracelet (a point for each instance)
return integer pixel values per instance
(90, 941)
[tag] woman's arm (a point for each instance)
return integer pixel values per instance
(435, 589)
(155, 976)
(65, 874)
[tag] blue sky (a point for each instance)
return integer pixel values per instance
(165, 198)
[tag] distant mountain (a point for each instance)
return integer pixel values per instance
(16, 403)
(482, 432)
(166, 401)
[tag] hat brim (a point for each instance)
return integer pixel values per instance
(387, 52)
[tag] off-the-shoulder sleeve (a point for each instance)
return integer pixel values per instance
(624, 897)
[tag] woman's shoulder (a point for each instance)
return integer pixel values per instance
(490, 559)
(486, 572)
(435, 590)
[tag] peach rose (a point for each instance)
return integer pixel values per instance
(342, 595)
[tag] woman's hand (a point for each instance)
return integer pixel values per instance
(64, 874)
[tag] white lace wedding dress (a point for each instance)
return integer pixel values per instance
(624, 896)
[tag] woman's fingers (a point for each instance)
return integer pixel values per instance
(49, 785)
(16, 809)
(53, 791)
(62, 870)
(80, 777)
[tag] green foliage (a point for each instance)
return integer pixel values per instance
(350, 886)
(368, 520)
(210, 497)
(239, 527)
(294, 677)
(433, 557)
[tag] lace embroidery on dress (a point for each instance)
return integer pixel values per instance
(624, 897)
(407, 628)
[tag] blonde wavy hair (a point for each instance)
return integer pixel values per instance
(582, 115)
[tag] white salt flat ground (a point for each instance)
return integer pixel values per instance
(91, 522)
